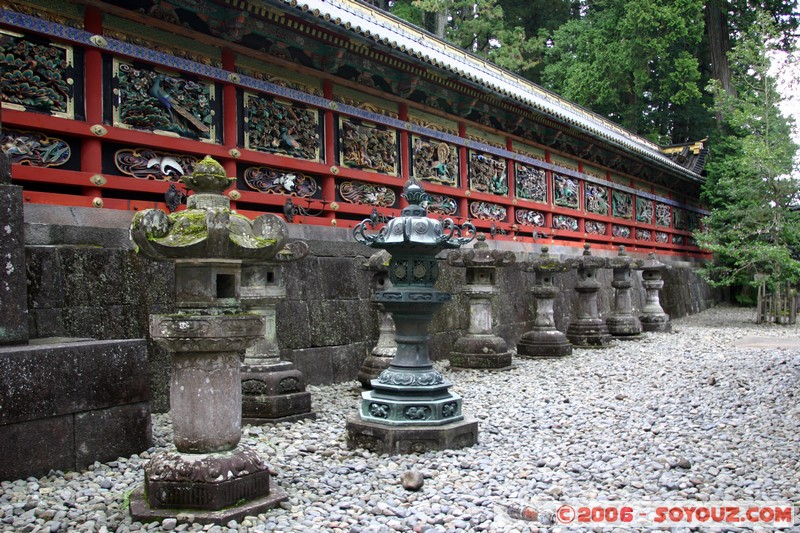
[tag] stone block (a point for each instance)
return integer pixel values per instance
(159, 360)
(393, 440)
(34, 447)
(338, 276)
(337, 322)
(302, 279)
(52, 380)
(330, 364)
(292, 324)
(13, 283)
(105, 434)
(108, 322)
(45, 323)
(98, 277)
(45, 277)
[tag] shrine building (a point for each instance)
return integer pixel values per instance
(322, 110)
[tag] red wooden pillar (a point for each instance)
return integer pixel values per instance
(328, 181)
(405, 159)
(463, 172)
(511, 185)
(230, 117)
(548, 215)
(91, 147)
(582, 203)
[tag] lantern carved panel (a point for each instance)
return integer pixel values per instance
(367, 146)
(281, 127)
(435, 161)
(487, 174)
(531, 183)
(152, 100)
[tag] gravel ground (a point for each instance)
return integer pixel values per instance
(676, 416)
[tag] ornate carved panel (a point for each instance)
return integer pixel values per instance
(153, 164)
(434, 161)
(367, 146)
(678, 239)
(357, 192)
(693, 220)
(529, 217)
(621, 231)
(152, 100)
(280, 181)
(642, 234)
(621, 204)
(281, 127)
(644, 210)
(487, 173)
(680, 220)
(663, 215)
(34, 148)
(531, 183)
(565, 222)
(565, 191)
(596, 198)
(440, 204)
(36, 75)
(487, 211)
(662, 237)
(594, 227)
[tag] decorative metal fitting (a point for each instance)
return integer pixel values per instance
(98, 130)
(99, 40)
(98, 180)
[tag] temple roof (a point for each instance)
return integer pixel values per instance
(419, 45)
(689, 155)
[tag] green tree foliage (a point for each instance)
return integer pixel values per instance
(633, 61)
(479, 26)
(754, 226)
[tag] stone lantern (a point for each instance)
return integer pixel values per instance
(480, 348)
(272, 390)
(385, 349)
(653, 317)
(588, 329)
(544, 340)
(621, 322)
(410, 407)
(208, 477)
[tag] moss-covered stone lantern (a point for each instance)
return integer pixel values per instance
(587, 329)
(653, 317)
(544, 340)
(410, 407)
(480, 347)
(621, 321)
(208, 477)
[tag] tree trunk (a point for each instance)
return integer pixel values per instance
(436, 23)
(718, 43)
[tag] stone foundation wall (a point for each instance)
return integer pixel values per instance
(85, 280)
(67, 405)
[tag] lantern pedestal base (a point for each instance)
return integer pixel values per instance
(589, 333)
(547, 342)
(393, 440)
(372, 367)
(273, 394)
(212, 488)
(480, 351)
(657, 323)
(624, 326)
